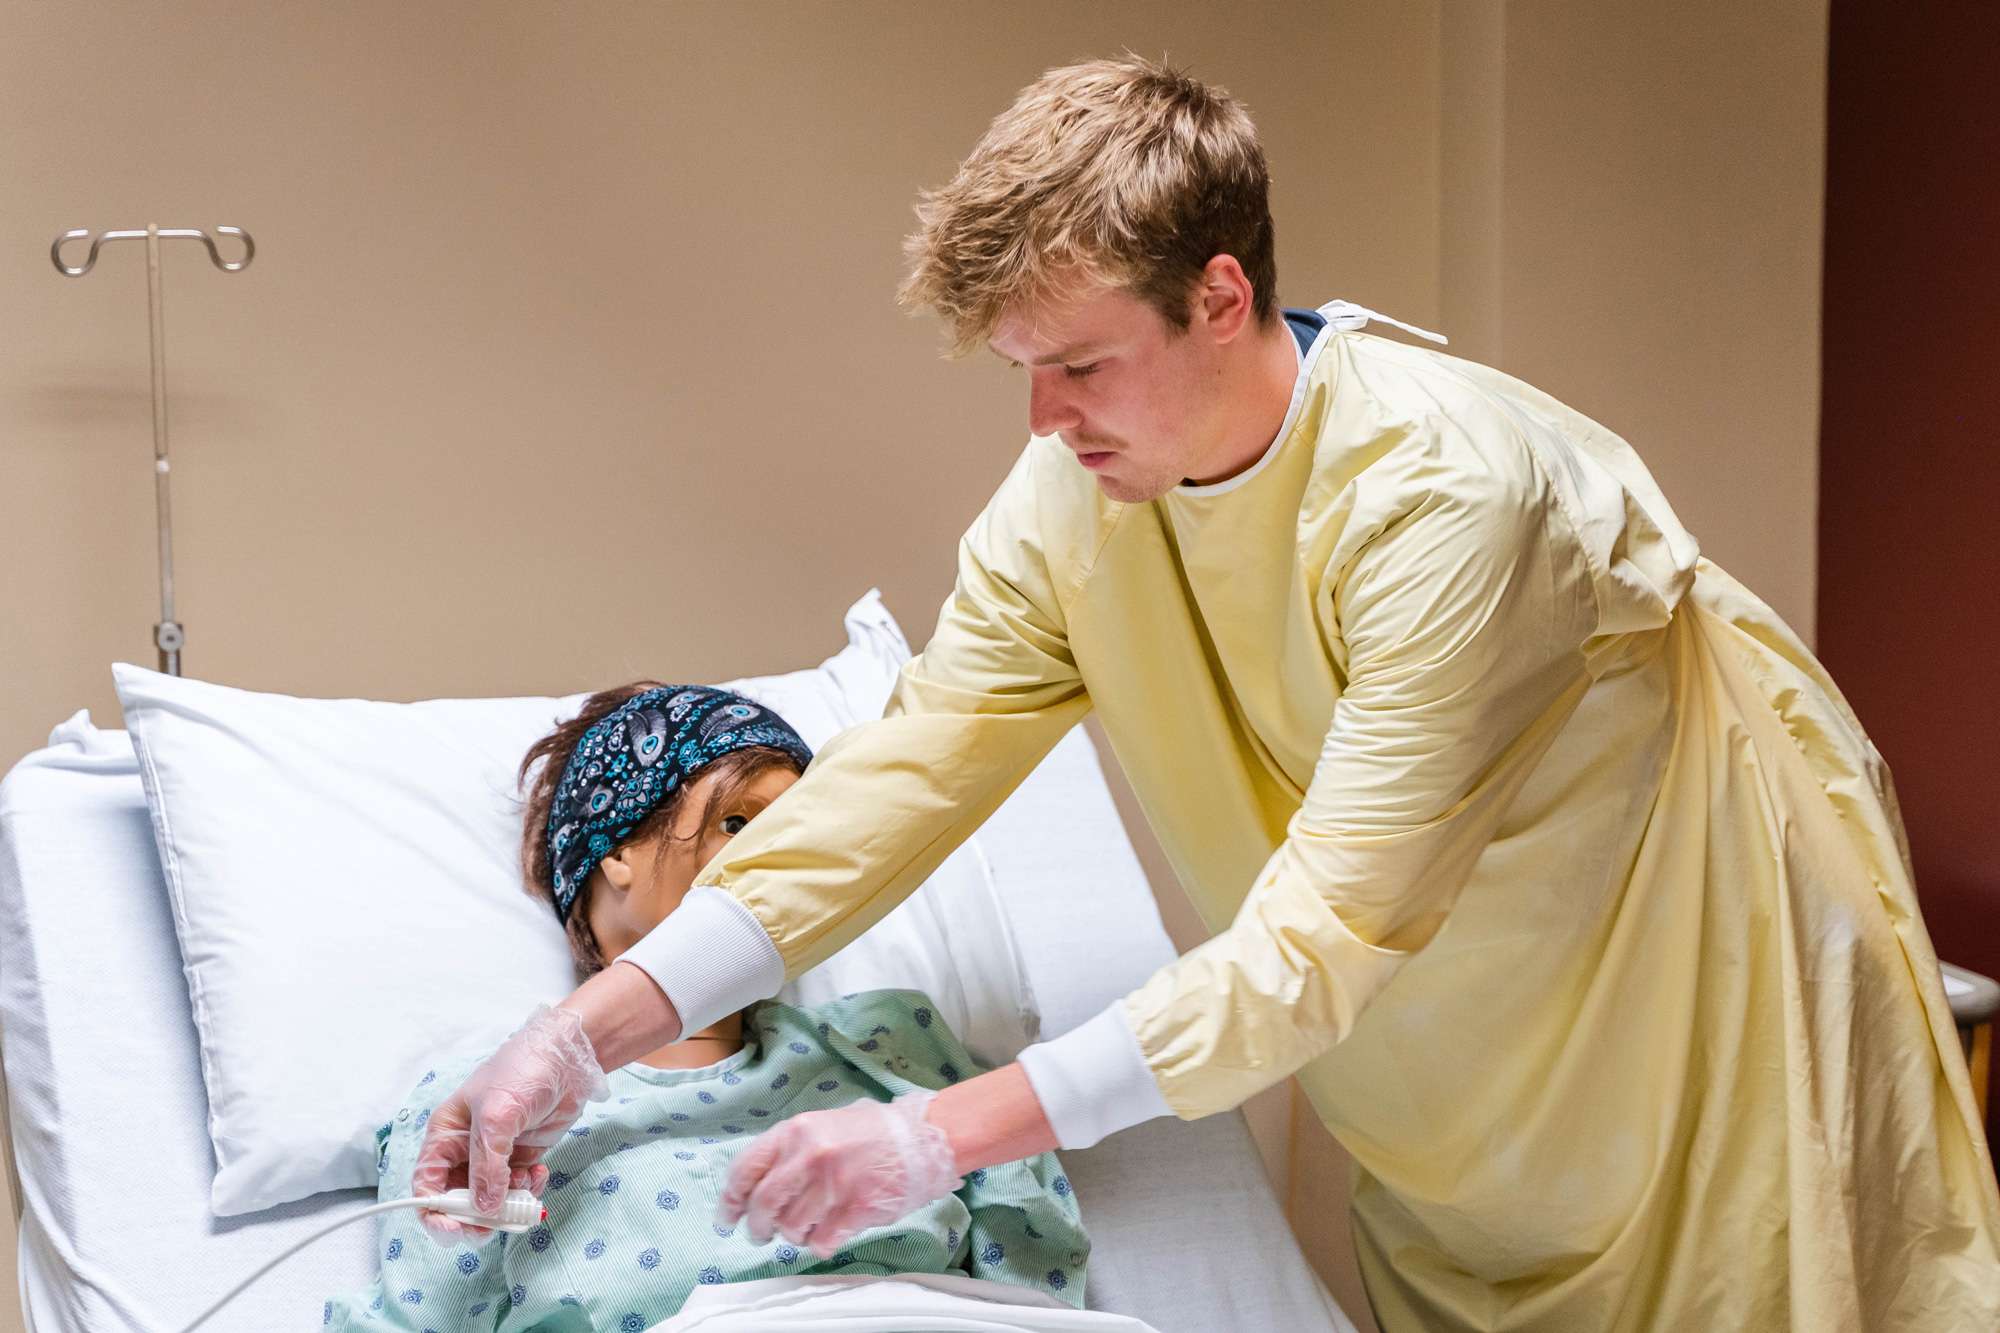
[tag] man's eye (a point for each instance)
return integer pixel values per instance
(733, 824)
(1080, 372)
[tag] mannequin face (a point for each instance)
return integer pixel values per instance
(640, 883)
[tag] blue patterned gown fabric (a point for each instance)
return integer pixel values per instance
(633, 1189)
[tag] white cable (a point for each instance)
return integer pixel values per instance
(519, 1211)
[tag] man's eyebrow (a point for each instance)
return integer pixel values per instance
(1066, 354)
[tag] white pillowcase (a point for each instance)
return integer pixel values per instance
(951, 940)
(345, 883)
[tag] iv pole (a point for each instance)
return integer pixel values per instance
(169, 634)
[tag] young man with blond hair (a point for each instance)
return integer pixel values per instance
(1552, 863)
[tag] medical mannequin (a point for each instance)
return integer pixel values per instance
(644, 880)
(625, 802)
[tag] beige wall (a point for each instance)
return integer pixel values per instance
(1659, 232)
(569, 353)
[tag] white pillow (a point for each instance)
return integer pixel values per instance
(951, 940)
(345, 885)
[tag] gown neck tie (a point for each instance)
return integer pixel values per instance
(1351, 317)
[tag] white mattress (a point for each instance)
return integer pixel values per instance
(107, 1105)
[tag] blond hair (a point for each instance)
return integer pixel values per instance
(1120, 171)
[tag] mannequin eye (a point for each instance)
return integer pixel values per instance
(733, 824)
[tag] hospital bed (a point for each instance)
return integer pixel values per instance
(107, 1105)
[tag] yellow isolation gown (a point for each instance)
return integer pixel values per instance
(1539, 848)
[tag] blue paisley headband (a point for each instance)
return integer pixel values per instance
(637, 756)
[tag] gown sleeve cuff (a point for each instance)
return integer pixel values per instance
(1093, 1080)
(711, 957)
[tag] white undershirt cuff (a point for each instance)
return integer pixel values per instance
(711, 956)
(1093, 1080)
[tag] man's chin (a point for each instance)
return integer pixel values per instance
(1125, 490)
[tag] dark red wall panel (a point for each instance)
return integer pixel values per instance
(1909, 521)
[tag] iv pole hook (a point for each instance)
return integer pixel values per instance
(168, 635)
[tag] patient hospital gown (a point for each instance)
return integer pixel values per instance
(633, 1189)
(1542, 850)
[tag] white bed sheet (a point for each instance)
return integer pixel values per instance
(107, 1106)
(913, 1303)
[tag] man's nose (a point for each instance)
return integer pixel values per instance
(1049, 411)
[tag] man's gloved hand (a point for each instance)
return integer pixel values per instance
(820, 1178)
(490, 1135)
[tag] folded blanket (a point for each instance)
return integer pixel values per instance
(913, 1303)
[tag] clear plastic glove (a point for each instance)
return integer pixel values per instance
(821, 1178)
(490, 1135)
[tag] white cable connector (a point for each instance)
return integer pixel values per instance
(519, 1211)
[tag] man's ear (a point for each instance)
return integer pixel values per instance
(618, 868)
(1226, 298)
